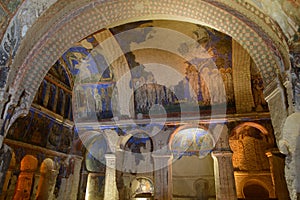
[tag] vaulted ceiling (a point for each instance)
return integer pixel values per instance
(40, 32)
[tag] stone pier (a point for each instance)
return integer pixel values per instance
(110, 188)
(162, 177)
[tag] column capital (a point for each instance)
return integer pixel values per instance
(110, 160)
(161, 161)
(162, 156)
(110, 156)
(218, 153)
(274, 152)
(77, 157)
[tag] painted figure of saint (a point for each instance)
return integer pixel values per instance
(98, 100)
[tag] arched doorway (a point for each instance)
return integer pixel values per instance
(254, 191)
(250, 142)
(194, 180)
(138, 150)
(95, 164)
(135, 161)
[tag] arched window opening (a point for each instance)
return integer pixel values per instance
(192, 141)
(95, 154)
(135, 159)
(137, 152)
(141, 189)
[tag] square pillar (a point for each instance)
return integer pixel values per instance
(162, 177)
(277, 162)
(76, 176)
(70, 184)
(223, 168)
(224, 175)
(110, 188)
(37, 176)
(93, 187)
(5, 157)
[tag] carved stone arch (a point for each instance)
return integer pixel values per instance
(253, 124)
(187, 126)
(204, 147)
(47, 165)
(124, 140)
(261, 128)
(13, 113)
(136, 150)
(90, 136)
(96, 145)
(249, 142)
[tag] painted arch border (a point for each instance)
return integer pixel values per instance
(34, 61)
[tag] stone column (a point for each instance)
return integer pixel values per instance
(224, 176)
(83, 184)
(5, 185)
(36, 178)
(290, 146)
(275, 96)
(8, 178)
(24, 185)
(5, 101)
(70, 184)
(93, 187)
(223, 168)
(110, 188)
(277, 161)
(5, 157)
(75, 177)
(12, 187)
(52, 183)
(162, 177)
(47, 185)
(62, 193)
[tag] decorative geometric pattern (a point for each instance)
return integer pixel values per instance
(88, 18)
